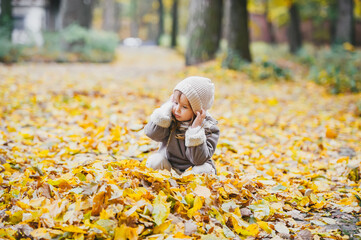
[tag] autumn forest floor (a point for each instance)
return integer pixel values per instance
(72, 153)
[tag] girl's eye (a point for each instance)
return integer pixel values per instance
(185, 107)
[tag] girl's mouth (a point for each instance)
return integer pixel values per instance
(176, 116)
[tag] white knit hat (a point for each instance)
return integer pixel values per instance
(199, 92)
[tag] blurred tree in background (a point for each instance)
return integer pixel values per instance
(271, 39)
(294, 31)
(6, 22)
(111, 15)
(76, 12)
(345, 22)
(160, 20)
(238, 34)
(204, 30)
(174, 32)
(53, 10)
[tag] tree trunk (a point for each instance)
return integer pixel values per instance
(332, 16)
(271, 36)
(160, 21)
(134, 26)
(75, 11)
(226, 19)
(111, 16)
(6, 20)
(53, 12)
(294, 30)
(238, 34)
(345, 23)
(174, 24)
(204, 30)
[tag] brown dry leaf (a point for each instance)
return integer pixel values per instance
(100, 202)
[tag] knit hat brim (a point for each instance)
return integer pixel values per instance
(191, 95)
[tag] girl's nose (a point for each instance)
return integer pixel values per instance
(177, 108)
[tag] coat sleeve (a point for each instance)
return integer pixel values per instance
(160, 120)
(201, 145)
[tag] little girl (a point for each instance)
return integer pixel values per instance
(187, 133)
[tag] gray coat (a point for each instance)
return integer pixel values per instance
(196, 148)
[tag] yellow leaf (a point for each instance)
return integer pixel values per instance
(319, 205)
(125, 233)
(158, 176)
(253, 229)
(61, 183)
(78, 236)
(346, 201)
(36, 202)
(237, 211)
(223, 193)
(22, 205)
(73, 229)
(354, 174)
(264, 226)
(116, 133)
(239, 224)
(9, 233)
(313, 198)
(41, 233)
(8, 167)
(161, 228)
(16, 217)
(272, 101)
(161, 208)
(331, 133)
(181, 235)
(343, 159)
(218, 215)
(197, 204)
(105, 225)
(189, 198)
(304, 202)
(106, 214)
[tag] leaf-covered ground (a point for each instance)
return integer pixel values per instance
(73, 152)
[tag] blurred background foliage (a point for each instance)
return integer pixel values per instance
(322, 36)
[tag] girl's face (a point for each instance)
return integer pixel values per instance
(182, 110)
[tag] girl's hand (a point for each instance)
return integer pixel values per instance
(199, 119)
